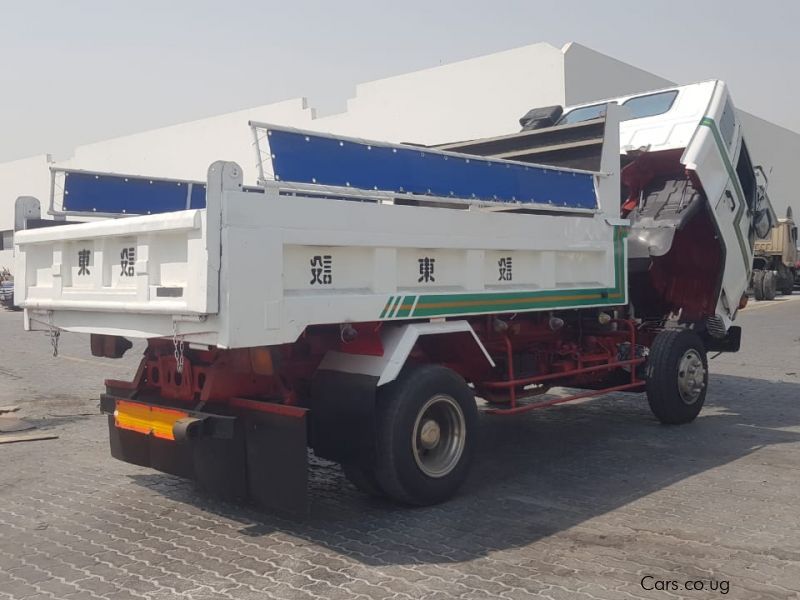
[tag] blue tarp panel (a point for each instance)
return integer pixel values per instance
(299, 157)
(118, 194)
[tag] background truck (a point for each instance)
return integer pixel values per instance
(361, 297)
(775, 260)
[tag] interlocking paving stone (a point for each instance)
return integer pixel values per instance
(579, 501)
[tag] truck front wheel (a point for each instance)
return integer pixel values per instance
(677, 376)
(426, 429)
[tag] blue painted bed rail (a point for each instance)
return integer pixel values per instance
(306, 158)
(104, 193)
(320, 160)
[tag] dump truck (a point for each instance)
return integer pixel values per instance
(776, 259)
(368, 300)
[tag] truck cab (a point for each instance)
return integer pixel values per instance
(689, 189)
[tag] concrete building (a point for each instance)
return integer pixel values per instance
(473, 98)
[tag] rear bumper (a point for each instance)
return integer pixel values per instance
(257, 454)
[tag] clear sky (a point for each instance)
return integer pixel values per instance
(75, 71)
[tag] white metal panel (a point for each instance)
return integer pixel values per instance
(397, 345)
(138, 265)
(374, 252)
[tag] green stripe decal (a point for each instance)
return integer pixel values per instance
(394, 307)
(406, 306)
(737, 220)
(460, 304)
(386, 308)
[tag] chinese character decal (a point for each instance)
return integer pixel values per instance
(321, 270)
(127, 258)
(426, 266)
(83, 261)
(504, 266)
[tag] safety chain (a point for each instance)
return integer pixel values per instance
(178, 343)
(53, 333)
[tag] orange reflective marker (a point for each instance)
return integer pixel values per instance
(147, 419)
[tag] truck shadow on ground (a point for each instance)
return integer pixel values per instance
(534, 475)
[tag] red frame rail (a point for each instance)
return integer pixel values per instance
(512, 383)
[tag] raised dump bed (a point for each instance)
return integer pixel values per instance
(333, 238)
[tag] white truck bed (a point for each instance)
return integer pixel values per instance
(257, 269)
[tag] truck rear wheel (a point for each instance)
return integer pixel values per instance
(677, 376)
(426, 429)
(758, 284)
(363, 478)
(769, 285)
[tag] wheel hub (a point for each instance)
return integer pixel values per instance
(438, 437)
(691, 376)
(430, 434)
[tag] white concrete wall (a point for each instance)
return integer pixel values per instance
(591, 75)
(473, 98)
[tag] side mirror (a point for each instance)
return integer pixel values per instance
(764, 218)
(759, 170)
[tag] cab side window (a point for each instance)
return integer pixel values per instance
(650, 105)
(586, 113)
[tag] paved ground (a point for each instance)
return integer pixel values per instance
(580, 501)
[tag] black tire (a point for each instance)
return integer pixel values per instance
(673, 391)
(769, 285)
(405, 470)
(363, 478)
(758, 284)
(784, 279)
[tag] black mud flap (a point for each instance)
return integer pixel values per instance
(259, 455)
(343, 415)
(277, 459)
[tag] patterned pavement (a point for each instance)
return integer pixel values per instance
(587, 501)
